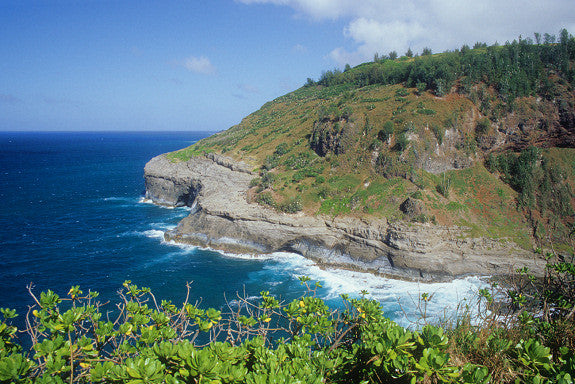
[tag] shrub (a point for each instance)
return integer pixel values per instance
(401, 92)
(482, 126)
(417, 195)
(452, 121)
(255, 182)
(443, 186)
(271, 162)
(439, 132)
(401, 142)
(298, 161)
(266, 198)
(299, 176)
(267, 180)
(323, 192)
(281, 149)
(367, 127)
(292, 206)
(145, 340)
(491, 163)
(440, 87)
(386, 132)
(420, 87)
(389, 165)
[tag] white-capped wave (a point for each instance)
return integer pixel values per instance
(119, 198)
(401, 300)
(241, 256)
(143, 200)
(151, 233)
(245, 256)
(154, 233)
(163, 226)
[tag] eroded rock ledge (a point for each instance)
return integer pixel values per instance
(221, 218)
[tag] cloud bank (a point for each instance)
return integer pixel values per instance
(382, 26)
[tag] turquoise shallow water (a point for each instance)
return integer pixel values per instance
(72, 213)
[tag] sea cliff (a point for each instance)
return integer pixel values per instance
(223, 218)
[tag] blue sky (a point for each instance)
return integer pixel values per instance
(191, 65)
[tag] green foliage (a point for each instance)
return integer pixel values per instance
(188, 153)
(299, 161)
(281, 149)
(417, 195)
(401, 142)
(516, 69)
(439, 133)
(422, 110)
(482, 126)
(271, 162)
(266, 198)
(540, 180)
(386, 132)
(443, 186)
(390, 165)
(292, 206)
(421, 87)
(265, 181)
(271, 341)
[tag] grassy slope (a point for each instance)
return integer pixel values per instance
(350, 183)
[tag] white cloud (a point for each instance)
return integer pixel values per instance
(200, 65)
(386, 25)
(372, 36)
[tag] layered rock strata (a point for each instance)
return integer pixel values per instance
(223, 219)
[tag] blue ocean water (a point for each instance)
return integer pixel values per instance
(72, 213)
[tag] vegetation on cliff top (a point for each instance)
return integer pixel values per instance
(76, 339)
(481, 137)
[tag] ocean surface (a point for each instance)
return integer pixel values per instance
(72, 213)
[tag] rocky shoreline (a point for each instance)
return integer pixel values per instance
(215, 187)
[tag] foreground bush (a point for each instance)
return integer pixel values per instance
(76, 339)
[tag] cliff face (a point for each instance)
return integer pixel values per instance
(222, 218)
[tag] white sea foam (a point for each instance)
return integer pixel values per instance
(143, 200)
(151, 233)
(154, 233)
(401, 300)
(123, 202)
(118, 198)
(163, 226)
(242, 256)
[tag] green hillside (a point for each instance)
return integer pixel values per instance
(481, 138)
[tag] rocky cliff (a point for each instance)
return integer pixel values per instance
(222, 218)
